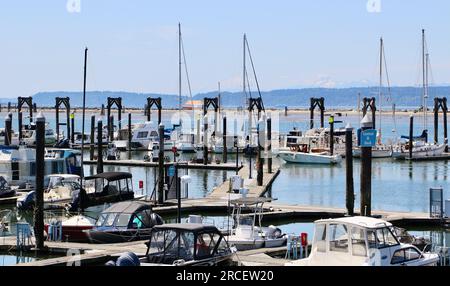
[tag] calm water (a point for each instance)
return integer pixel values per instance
(396, 185)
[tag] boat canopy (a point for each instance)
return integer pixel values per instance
(111, 176)
(190, 227)
(127, 207)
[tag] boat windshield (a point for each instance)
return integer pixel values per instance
(381, 238)
(55, 182)
(113, 219)
(168, 246)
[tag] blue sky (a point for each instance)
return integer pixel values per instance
(295, 43)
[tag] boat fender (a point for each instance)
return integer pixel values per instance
(128, 259)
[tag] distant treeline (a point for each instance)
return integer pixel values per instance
(292, 98)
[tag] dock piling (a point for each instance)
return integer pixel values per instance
(350, 192)
(260, 150)
(205, 139)
(8, 128)
(224, 144)
(129, 136)
(161, 165)
(411, 136)
(99, 147)
(92, 143)
(72, 123)
(40, 172)
(366, 172)
(269, 145)
(331, 121)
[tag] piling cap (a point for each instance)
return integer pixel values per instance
(367, 121)
(100, 120)
(40, 117)
(348, 127)
(161, 125)
(7, 117)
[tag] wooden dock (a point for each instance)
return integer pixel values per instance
(181, 165)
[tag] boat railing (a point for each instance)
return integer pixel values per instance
(444, 255)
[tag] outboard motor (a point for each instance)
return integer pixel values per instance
(27, 203)
(156, 219)
(274, 232)
(128, 259)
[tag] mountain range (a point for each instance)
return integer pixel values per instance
(292, 98)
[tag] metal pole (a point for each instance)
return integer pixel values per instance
(99, 147)
(350, 192)
(161, 165)
(84, 111)
(40, 173)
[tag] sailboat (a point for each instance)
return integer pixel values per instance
(380, 150)
(421, 149)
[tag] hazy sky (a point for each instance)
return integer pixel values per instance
(133, 44)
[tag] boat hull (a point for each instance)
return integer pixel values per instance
(420, 152)
(309, 158)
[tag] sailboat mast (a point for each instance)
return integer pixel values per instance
(179, 72)
(84, 110)
(244, 70)
(424, 82)
(381, 83)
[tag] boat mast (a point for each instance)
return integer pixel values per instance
(381, 86)
(84, 112)
(179, 73)
(424, 82)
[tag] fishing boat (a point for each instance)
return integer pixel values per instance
(361, 241)
(73, 229)
(301, 151)
(187, 245)
(123, 222)
(62, 188)
(247, 232)
(29, 135)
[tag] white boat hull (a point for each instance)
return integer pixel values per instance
(309, 158)
(376, 153)
(428, 151)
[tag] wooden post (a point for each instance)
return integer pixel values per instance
(205, 140)
(322, 112)
(72, 123)
(224, 144)
(20, 123)
(129, 136)
(311, 114)
(366, 172)
(111, 128)
(178, 192)
(99, 147)
(436, 120)
(40, 173)
(350, 192)
(269, 145)
(8, 128)
(411, 136)
(161, 165)
(92, 143)
(331, 121)
(57, 120)
(260, 149)
(285, 111)
(445, 124)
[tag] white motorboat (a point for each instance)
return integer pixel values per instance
(247, 232)
(29, 135)
(147, 133)
(310, 157)
(361, 241)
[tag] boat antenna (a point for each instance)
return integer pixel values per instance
(84, 112)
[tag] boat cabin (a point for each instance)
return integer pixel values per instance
(361, 241)
(187, 244)
(110, 183)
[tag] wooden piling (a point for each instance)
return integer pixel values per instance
(436, 120)
(269, 145)
(40, 173)
(99, 147)
(366, 172)
(259, 157)
(129, 136)
(92, 141)
(205, 140)
(331, 121)
(350, 192)
(161, 165)
(111, 128)
(411, 136)
(224, 144)
(8, 129)
(72, 123)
